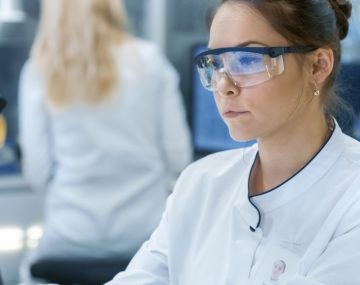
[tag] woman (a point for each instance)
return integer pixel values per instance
(102, 129)
(295, 195)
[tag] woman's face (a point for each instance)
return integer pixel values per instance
(263, 110)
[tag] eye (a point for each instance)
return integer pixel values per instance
(249, 60)
(243, 63)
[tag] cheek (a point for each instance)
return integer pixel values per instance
(278, 97)
(221, 101)
(217, 100)
(270, 104)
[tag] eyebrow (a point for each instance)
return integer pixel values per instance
(247, 43)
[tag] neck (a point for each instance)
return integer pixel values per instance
(284, 154)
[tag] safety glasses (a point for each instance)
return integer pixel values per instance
(245, 66)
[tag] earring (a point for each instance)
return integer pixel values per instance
(316, 91)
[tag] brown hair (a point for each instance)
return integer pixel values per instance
(319, 23)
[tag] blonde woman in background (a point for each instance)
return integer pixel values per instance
(102, 129)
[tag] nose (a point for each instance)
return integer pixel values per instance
(226, 86)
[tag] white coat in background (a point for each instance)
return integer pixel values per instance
(107, 169)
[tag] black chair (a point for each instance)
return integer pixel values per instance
(79, 272)
(1, 282)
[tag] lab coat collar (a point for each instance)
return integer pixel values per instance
(243, 204)
(250, 208)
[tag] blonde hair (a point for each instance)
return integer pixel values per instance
(74, 48)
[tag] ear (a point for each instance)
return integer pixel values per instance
(322, 65)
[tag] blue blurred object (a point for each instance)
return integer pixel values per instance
(351, 44)
(2, 104)
(209, 132)
(356, 129)
(348, 88)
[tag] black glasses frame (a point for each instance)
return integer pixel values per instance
(271, 51)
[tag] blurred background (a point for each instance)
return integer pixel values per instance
(180, 28)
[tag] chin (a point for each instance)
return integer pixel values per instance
(241, 136)
(242, 131)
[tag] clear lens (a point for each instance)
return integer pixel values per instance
(243, 68)
(207, 67)
(244, 63)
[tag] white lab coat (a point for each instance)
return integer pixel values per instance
(107, 168)
(212, 233)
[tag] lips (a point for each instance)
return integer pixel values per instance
(233, 113)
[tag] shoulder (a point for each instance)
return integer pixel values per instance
(222, 162)
(209, 187)
(349, 208)
(348, 172)
(147, 48)
(31, 81)
(351, 153)
(147, 58)
(141, 49)
(30, 72)
(213, 171)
